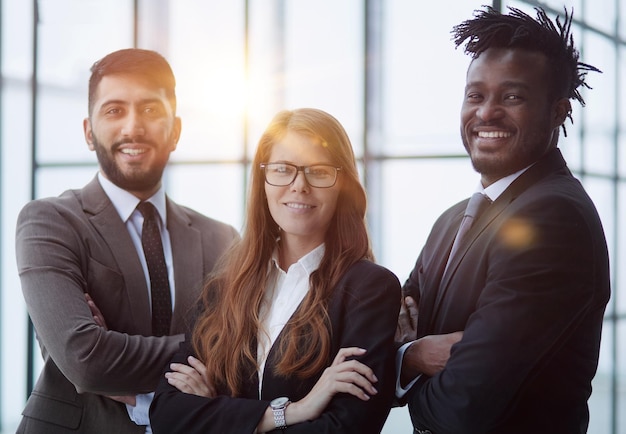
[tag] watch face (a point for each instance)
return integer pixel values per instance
(279, 402)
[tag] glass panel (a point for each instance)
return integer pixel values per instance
(206, 50)
(64, 62)
(621, 100)
(324, 60)
(423, 77)
(213, 190)
(51, 182)
(596, 14)
(16, 51)
(440, 183)
(600, 400)
(620, 365)
(619, 262)
(599, 116)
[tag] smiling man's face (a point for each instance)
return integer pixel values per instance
(133, 130)
(507, 119)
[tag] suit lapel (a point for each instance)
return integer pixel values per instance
(187, 254)
(441, 247)
(107, 222)
(550, 163)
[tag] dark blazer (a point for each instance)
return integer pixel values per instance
(363, 312)
(529, 289)
(77, 244)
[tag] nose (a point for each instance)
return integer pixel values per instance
(489, 110)
(133, 125)
(300, 183)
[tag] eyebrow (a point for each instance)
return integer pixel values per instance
(510, 84)
(126, 102)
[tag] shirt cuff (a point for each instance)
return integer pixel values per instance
(401, 391)
(140, 412)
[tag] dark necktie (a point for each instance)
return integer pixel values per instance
(476, 205)
(159, 283)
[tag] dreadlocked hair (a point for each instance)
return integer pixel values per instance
(491, 29)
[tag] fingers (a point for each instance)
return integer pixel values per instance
(95, 311)
(348, 375)
(190, 379)
(411, 307)
(344, 353)
(356, 382)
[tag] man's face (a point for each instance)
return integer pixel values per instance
(507, 119)
(133, 130)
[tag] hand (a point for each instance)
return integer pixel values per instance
(97, 315)
(428, 355)
(406, 331)
(191, 379)
(343, 376)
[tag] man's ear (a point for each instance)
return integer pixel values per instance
(88, 133)
(176, 132)
(562, 110)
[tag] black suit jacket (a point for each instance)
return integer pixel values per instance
(528, 288)
(77, 243)
(363, 312)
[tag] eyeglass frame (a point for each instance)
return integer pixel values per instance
(299, 169)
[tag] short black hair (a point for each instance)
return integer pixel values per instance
(491, 29)
(147, 64)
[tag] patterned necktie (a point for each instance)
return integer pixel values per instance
(475, 207)
(159, 283)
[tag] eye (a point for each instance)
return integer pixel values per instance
(320, 171)
(153, 110)
(281, 169)
(473, 97)
(113, 111)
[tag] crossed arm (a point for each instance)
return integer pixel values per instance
(345, 375)
(427, 355)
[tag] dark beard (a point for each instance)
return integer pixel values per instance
(135, 182)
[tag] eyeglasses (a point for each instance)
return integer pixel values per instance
(283, 174)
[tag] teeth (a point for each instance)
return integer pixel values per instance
(298, 205)
(494, 134)
(132, 151)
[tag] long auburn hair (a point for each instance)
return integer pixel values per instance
(226, 331)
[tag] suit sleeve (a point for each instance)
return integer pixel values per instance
(539, 287)
(366, 317)
(51, 257)
(363, 313)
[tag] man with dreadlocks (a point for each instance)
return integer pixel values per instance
(523, 296)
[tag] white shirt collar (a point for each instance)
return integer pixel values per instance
(309, 262)
(497, 188)
(125, 202)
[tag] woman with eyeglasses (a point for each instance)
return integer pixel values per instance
(296, 330)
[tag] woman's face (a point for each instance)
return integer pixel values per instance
(303, 212)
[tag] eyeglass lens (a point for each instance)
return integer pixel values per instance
(283, 174)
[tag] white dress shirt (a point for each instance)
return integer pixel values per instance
(125, 204)
(284, 293)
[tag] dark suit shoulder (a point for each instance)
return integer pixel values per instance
(365, 269)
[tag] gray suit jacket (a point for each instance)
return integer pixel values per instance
(77, 244)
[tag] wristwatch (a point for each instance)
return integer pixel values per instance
(278, 406)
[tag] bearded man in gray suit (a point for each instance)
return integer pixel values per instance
(83, 271)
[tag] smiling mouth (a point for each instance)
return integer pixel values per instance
(133, 151)
(298, 205)
(494, 134)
